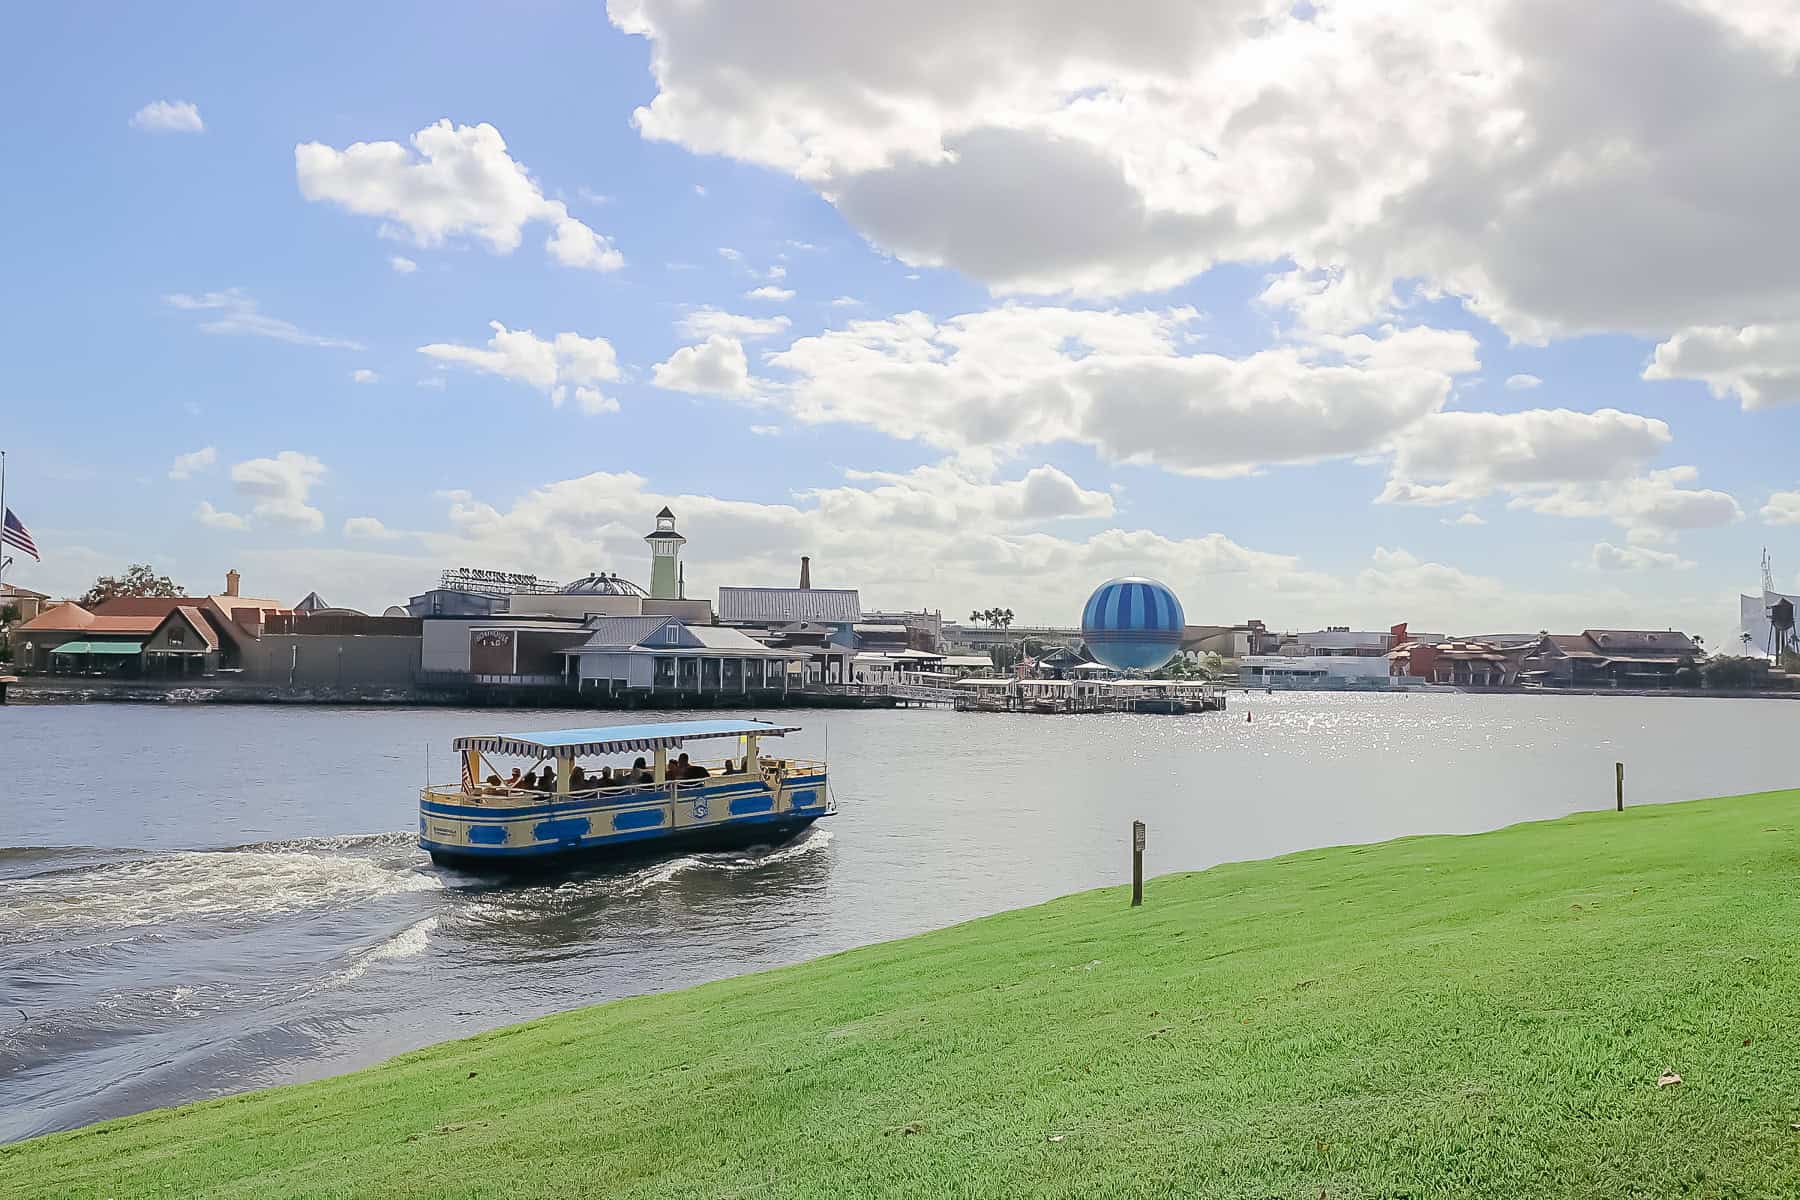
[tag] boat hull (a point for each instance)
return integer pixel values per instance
(736, 835)
(519, 832)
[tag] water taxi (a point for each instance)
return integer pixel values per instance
(649, 796)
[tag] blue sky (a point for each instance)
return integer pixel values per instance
(1051, 217)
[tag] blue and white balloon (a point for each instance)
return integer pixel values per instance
(1133, 624)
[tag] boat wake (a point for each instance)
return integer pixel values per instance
(723, 862)
(81, 889)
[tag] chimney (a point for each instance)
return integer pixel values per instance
(231, 583)
(805, 571)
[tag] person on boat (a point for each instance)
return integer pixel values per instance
(641, 772)
(578, 781)
(684, 769)
(513, 782)
(490, 785)
(605, 778)
(529, 783)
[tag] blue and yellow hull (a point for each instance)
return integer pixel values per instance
(513, 833)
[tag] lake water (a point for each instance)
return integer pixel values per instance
(198, 900)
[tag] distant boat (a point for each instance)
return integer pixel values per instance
(594, 810)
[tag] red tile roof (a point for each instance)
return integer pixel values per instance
(58, 618)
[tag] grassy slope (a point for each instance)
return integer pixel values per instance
(1479, 1016)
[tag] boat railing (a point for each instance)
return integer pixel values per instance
(636, 793)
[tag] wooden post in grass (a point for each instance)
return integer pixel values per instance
(1137, 863)
(1619, 784)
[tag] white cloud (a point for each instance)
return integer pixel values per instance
(1468, 520)
(279, 488)
(186, 465)
(593, 402)
(1608, 557)
(456, 181)
(552, 366)
(436, 383)
(575, 245)
(766, 430)
(846, 302)
(402, 265)
(1125, 383)
(1479, 147)
(777, 272)
(1651, 508)
(369, 529)
(214, 518)
(238, 314)
(703, 323)
(730, 255)
(769, 293)
(1759, 364)
(1450, 457)
(1783, 508)
(364, 375)
(716, 367)
(1519, 383)
(699, 189)
(168, 116)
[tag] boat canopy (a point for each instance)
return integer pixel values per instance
(616, 739)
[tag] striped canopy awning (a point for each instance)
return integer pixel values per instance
(616, 739)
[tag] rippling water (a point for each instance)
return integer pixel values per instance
(199, 900)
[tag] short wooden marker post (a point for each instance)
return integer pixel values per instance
(1137, 863)
(1619, 784)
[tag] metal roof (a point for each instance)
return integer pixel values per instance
(616, 739)
(752, 605)
(99, 648)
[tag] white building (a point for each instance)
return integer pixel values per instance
(1323, 672)
(1342, 641)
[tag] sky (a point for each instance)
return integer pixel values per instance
(1483, 316)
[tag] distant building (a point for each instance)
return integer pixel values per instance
(1462, 662)
(1322, 672)
(772, 607)
(1229, 641)
(664, 654)
(1342, 641)
(24, 601)
(136, 636)
(1636, 658)
(665, 557)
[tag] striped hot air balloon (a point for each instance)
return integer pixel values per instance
(1133, 624)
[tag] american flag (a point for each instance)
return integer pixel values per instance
(13, 533)
(468, 773)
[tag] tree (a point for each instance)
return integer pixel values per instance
(1724, 671)
(139, 579)
(1003, 655)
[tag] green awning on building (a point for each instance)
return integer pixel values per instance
(99, 648)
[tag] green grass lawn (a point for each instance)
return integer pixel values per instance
(1479, 1016)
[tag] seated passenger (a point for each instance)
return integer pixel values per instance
(605, 778)
(529, 783)
(578, 781)
(690, 770)
(513, 780)
(641, 772)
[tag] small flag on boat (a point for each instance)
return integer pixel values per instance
(468, 774)
(13, 533)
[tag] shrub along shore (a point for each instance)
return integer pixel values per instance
(1503, 1014)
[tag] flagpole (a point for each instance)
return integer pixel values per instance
(2, 515)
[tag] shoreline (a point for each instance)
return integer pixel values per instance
(1475, 1014)
(41, 691)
